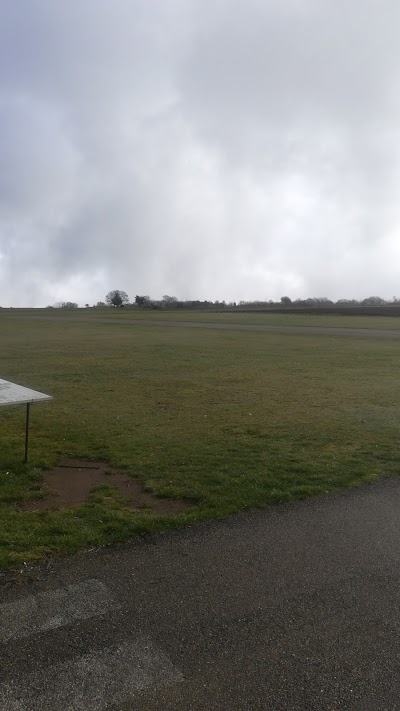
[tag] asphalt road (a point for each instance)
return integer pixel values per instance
(297, 330)
(295, 607)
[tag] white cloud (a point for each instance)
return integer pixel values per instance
(208, 149)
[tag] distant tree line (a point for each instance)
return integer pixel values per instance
(64, 305)
(118, 298)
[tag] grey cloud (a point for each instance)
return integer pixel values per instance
(208, 149)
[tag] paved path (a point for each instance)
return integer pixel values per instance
(299, 330)
(293, 608)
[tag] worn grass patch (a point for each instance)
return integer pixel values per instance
(225, 419)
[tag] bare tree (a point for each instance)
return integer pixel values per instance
(117, 297)
(169, 302)
(286, 300)
(142, 301)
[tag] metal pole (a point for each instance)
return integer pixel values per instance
(28, 404)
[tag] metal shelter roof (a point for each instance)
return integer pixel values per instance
(13, 394)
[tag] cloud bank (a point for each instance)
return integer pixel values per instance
(205, 149)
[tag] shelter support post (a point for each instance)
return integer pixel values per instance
(28, 405)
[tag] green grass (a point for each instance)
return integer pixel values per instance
(229, 420)
(371, 322)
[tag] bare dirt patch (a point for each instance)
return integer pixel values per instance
(71, 482)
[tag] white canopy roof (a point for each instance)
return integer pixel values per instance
(13, 394)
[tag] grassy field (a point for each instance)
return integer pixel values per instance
(124, 315)
(227, 420)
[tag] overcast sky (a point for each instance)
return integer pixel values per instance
(222, 149)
